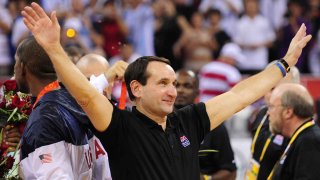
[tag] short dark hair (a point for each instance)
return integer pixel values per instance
(213, 11)
(137, 71)
(301, 106)
(34, 57)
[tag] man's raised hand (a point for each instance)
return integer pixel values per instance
(298, 42)
(45, 30)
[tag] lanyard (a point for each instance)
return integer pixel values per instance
(295, 135)
(257, 133)
(265, 147)
(52, 86)
(123, 96)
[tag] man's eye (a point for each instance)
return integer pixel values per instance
(163, 83)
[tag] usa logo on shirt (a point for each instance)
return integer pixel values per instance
(184, 141)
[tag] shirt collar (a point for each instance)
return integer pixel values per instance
(146, 120)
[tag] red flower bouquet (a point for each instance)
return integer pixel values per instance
(15, 107)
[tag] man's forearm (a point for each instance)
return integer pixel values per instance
(244, 93)
(249, 90)
(80, 88)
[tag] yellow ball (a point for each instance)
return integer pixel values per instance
(71, 33)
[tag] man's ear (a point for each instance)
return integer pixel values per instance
(135, 87)
(288, 113)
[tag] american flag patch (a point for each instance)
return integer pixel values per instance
(45, 158)
(184, 141)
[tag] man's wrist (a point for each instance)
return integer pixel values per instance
(285, 64)
(53, 48)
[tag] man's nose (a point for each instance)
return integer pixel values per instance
(172, 91)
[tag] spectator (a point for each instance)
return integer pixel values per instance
(139, 18)
(254, 35)
(266, 147)
(220, 76)
(290, 111)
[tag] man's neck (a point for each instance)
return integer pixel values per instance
(36, 86)
(293, 127)
(157, 119)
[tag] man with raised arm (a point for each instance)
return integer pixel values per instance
(151, 142)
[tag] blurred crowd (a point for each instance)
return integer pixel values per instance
(190, 33)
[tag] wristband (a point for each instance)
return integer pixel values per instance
(285, 65)
(283, 71)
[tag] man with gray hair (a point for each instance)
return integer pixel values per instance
(291, 110)
(266, 147)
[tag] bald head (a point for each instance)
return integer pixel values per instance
(92, 64)
(187, 88)
(295, 96)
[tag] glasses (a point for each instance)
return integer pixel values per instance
(270, 106)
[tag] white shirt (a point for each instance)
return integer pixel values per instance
(252, 31)
(140, 22)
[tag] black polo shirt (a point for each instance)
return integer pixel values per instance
(138, 148)
(211, 162)
(303, 158)
(275, 149)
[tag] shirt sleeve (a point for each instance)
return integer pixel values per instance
(48, 162)
(44, 151)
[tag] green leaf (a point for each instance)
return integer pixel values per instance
(12, 114)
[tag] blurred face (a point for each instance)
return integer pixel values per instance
(295, 9)
(19, 76)
(77, 6)
(157, 97)
(126, 51)
(251, 7)
(214, 19)
(275, 112)
(197, 20)
(186, 89)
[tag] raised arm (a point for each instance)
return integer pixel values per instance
(246, 92)
(47, 33)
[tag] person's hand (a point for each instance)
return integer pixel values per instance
(45, 30)
(11, 137)
(298, 42)
(116, 72)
